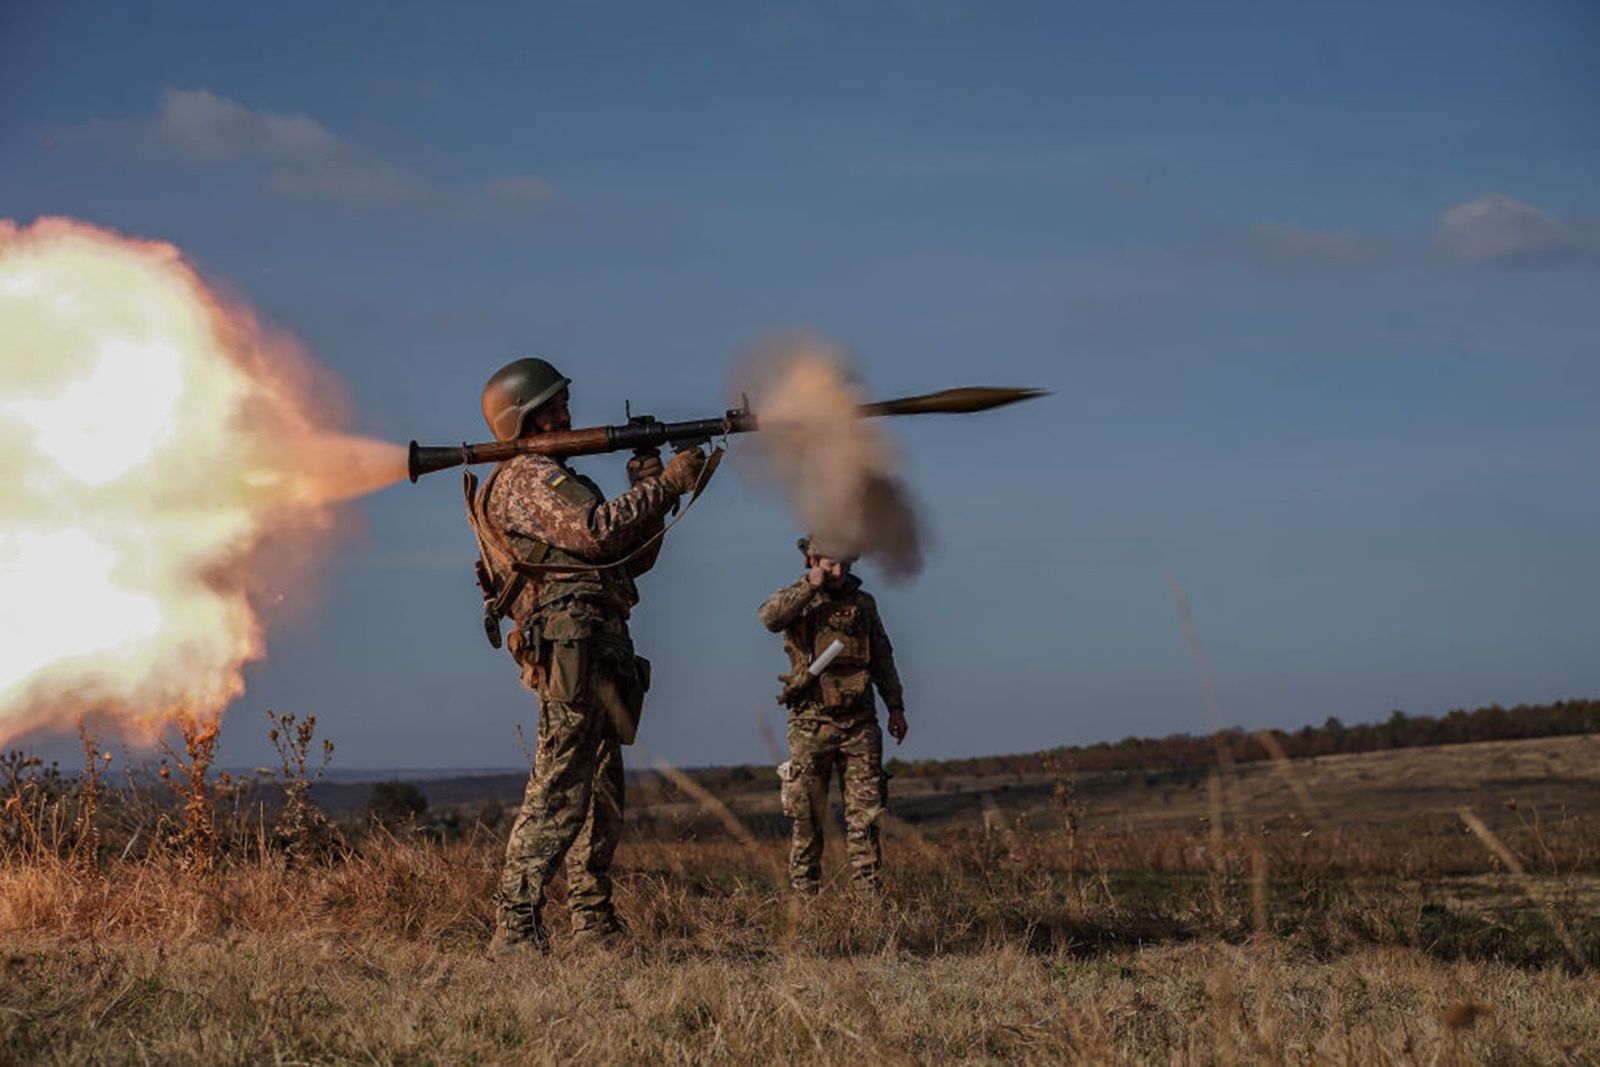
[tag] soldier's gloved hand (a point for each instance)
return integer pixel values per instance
(897, 724)
(645, 466)
(683, 470)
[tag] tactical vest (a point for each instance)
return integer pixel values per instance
(611, 589)
(844, 684)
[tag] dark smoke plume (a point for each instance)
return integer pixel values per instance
(838, 471)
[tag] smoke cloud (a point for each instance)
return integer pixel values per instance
(839, 472)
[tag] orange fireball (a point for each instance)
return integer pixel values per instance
(152, 436)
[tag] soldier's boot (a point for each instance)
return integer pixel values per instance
(606, 939)
(601, 920)
(599, 929)
(523, 943)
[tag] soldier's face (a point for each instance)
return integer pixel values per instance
(833, 571)
(553, 416)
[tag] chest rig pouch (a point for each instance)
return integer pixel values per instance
(844, 684)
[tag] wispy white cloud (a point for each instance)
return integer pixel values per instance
(1501, 229)
(1283, 243)
(296, 156)
(300, 157)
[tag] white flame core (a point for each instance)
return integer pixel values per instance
(150, 437)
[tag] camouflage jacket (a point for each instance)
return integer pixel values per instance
(549, 514)
(812, 618)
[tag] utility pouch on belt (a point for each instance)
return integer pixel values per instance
(788, 786)
(589, 660)
(528, 647)
(566, 656)
(567, 627)
(621, 686)
(843, 691)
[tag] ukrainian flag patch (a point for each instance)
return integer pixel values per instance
(556, 478)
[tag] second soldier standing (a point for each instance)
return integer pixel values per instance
(833, 721)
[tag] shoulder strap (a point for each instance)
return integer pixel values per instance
(510, 586)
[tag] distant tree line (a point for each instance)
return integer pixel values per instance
(1178, 751)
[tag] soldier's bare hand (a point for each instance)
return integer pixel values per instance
(683, 470)
(642, 467)
(817, 574)
(897, 725)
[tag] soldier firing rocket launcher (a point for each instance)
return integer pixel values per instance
(644, 432)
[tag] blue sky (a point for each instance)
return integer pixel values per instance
(1317, 287)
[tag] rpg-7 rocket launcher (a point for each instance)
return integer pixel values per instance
(644, 432)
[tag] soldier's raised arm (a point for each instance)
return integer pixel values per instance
(538, 498)
(786, 605)
(641, 469)
(647, 559)
(620, 523)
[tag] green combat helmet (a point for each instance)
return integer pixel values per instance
(810, 545)
(516, 391)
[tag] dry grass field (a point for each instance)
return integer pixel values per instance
(1420, 907)
(1374, 789)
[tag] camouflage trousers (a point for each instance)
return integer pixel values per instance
(572, 808)
(817, 748)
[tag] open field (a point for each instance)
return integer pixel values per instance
(1300, 914)
(1375, 789)
(1394, 813)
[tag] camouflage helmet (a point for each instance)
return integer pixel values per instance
(810, 545)
(516, 391)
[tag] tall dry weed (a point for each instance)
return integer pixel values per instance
(28, 791)
(301, 829)
(197, 834)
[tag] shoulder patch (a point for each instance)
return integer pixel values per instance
(569, 487)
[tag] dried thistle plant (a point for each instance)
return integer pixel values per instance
(86, 831)
(19, 828)
(198, 838)
(28, 790)
(301, 830)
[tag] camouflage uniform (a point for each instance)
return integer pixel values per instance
(571, 641)
(833, 722)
